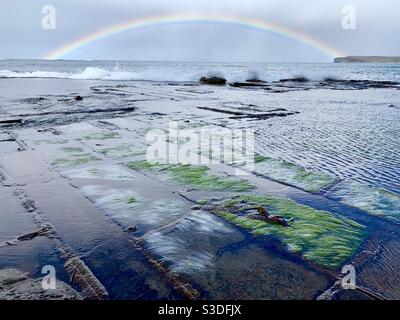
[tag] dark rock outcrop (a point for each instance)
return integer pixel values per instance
(270, 219)
(367, 59)
(213, 80)
(248, 84)
(17, 285)
(260, 116)
(132, 229)
(30, 236)
(297, 79)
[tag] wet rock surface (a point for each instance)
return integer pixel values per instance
(126, 229)
(259, 116)
(299, 79)
(359, 84)
(17, 285)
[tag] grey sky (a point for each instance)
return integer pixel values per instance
(376, 33)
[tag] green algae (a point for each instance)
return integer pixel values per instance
(72, 149)
(77, 157)
(131, 200)
(75, 160)
(198, 177)
(315, 181)
(103, 136)
(146, 165)
(319, 236)
(292, 174)
(259, 158)
(287, 164)
(94, 171)
(39, 142)
(201, 202)
(122, 151)
(373, 200)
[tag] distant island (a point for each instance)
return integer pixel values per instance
(366, 59)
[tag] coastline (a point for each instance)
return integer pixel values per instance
(86, 177)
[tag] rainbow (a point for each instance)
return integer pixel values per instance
(170, 19)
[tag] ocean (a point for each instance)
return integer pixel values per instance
(191, 71)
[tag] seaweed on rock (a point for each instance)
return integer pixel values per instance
(319, 236)
(198, 177)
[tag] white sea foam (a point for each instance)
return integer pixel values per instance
(33, 74)
(147, 74)
(95, 73)
(185, 72)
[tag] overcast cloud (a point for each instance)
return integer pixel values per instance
(377, 30)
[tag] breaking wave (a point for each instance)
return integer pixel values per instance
(148, 74)
(90, 73)
(192, 72)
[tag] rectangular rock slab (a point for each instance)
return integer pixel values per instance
(14, 220)
(25, 167)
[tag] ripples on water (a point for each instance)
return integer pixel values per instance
(352, 141)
